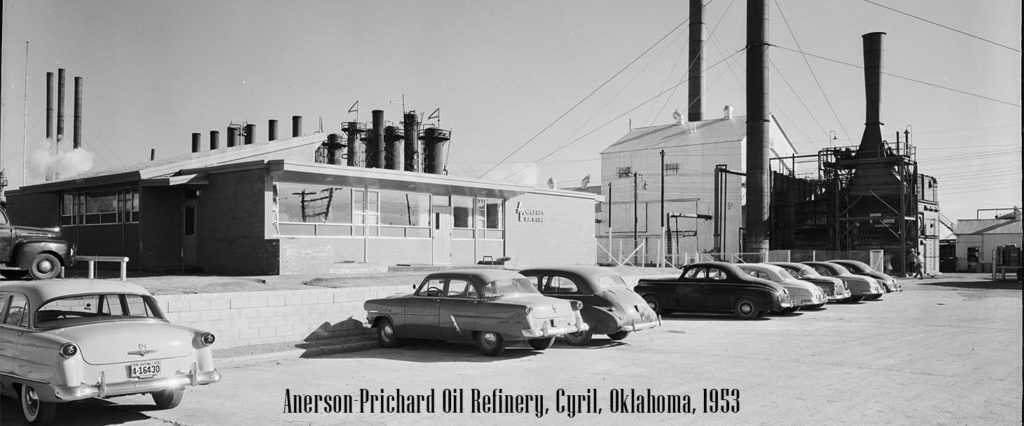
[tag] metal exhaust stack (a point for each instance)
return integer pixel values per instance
(49, 106)
(413, 162)
(354, 130)
(60, 106)
(232, 136)
(272, 130)
(296, 126)
(196, 142)
(77, 138)
(395, 154)
(250, 134)
(871, 142)
(335, 149)
(695, 106)
(214, 140)
(375, 141)
(758, 194)
(434, 145)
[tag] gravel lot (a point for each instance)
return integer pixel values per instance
(944, 351)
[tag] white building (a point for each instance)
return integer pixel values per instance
(691, 150)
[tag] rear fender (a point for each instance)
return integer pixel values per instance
(600, 320)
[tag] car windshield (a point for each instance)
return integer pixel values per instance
(840, 270)
(508, 287)
(81, 309)
(785, 274)
(803, 271)
(855, 266)
(609, 281)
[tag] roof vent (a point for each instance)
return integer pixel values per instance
(727, 112)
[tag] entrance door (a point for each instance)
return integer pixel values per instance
(442, 235)
(188, 232)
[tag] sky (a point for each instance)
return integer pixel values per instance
(507, 77)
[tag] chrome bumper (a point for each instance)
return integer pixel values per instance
(102, 389)
(840, 296)
(548, 331)
(637, 326)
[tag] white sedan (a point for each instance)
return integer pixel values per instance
(803, 293)
(75, 339)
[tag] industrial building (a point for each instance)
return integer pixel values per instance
(313, 203)
(978, 239)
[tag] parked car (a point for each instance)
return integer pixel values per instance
(36, 252)
(857, 267)
(76, 339)
(714, 287)
(802, 293)
(489, 306)
(833, 287)
(609, 306)
(861, 287)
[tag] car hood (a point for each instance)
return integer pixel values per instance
(127, 341)
(876, 274)
(543, 306)
(856, 279)
(34, 232)
(796, 286)
(823, 280)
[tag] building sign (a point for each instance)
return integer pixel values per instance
(528, 215)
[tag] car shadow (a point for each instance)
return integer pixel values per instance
(593, 344)
(703, 316)
(978, 285)
(87, 412)
(429, 351)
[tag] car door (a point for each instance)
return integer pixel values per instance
(718, 290)
(458, 310)
(689, 293)
(422, 311)
(6, 238)
(8, 347)
(14, 322)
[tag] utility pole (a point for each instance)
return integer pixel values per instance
(661, 261)
(636, 217)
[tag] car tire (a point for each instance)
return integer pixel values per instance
(619, 335)
(746, 309)
(815, 307)
(854, 299)
(44, 266)
(579, 339)
(490, 343)
(873, 297)
(36, 411)
(13, 274)
(386, 335)
(655, 305)
(168, 398)
(543, 343)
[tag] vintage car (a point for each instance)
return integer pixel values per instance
(833, 287)
(714, 287)
(861, 287)
(802, 293)
(489, 306)
(857, 267)
(609, 306)
(74, 339)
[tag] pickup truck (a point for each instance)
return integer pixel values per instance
(36, 252)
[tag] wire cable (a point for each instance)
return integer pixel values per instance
(944, 26)
(592, 92)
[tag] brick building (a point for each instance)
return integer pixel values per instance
(276, 208)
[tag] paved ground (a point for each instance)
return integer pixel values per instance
(944, 351)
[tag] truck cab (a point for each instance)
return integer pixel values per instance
(36, 252)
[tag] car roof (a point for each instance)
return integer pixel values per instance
(40, 291)
(484, 274)
(760, 267)
(724, 265)
(581, 270)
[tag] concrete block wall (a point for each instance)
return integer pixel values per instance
(260, 317)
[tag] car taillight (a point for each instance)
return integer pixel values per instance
(207, 339)
(576, 305)
(68, 350)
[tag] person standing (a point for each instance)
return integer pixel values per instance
(918, 264)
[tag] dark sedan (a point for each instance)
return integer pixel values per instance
(714, 287)
(609, 306)
(857, 267)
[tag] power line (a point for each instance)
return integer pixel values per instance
(798, 98)
(939, 86)
(944, 26)
(815, 76)
(592, 92)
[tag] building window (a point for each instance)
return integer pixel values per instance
(99, 208)
(313, 203)
(462, 211)
(671, 168)
(404, 208)
(623, 171)
(488, 213)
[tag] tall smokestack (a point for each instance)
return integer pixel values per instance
(695, 104)
(272, 130)
(758, 195)
(250, 134)
(354, 151)
(60, 105)
(413, 161)
(335, 149)
(232, 136)
(49, 105)
(214, 140)
(377, 136)
(196, 142)
(296, 126)
(78, 114)
(871, 141)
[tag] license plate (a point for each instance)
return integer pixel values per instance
(144, 369)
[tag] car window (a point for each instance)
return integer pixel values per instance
(17, 311)
(821, 270)
(457, 288)
(508, 287)
(696, 274)
(431, 288)
(785, 274)
(560, 285)
(3, 304)
(608, 281)
(716, 274)
(80, 309)
(109, 304)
